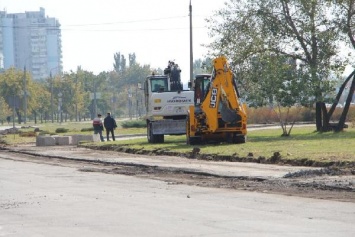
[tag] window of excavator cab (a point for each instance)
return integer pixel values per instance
(159, 84)
(206, 83)
(201, 88)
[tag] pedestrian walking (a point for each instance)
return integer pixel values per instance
(98, 126)
(110, 125)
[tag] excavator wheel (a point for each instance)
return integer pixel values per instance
(239, 139)
(191, 140)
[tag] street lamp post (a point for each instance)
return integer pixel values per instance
(13, 111)
(25, 95)
(25, 92)
(76, 98)
(60, 106)
(191, 46)
(130, 103)
(52, 115)
(95, 102)
(139, 87)
(51, 79)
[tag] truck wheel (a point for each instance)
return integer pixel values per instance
(154, 138)
(159, 138)
(149, 133)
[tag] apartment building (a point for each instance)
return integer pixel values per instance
(31, 40)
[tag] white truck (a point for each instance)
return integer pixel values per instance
(166, 104)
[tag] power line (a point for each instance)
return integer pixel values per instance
(98, 24)
(130, 30)
(128, 22)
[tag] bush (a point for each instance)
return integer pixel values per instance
(264, 115)
(43, 132)
(27, 134)
(134, 124)
(61, 130)
(87, 129)
(261, 115)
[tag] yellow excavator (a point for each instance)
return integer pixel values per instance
(217, 114)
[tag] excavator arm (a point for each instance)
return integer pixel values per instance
(222, 97)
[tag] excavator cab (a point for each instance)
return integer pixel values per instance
(201, 87)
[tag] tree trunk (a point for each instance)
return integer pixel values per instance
(325, 119)
(342, 119)
(341, 89)
(319, 116)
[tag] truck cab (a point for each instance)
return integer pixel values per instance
(166, 104)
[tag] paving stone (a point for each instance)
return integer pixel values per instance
(45, 141)
(63, 140)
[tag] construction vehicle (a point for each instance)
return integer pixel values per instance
(166, 104)
(217, 114)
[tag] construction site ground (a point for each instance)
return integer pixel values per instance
(312, 182)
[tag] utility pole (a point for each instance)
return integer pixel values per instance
(191, 50)
(52, 116)
(95, 99)
(13, 111)
(137, 101)
(60, 101)
(76, 98)
(25, 95)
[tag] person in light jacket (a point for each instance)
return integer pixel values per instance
(98, 126)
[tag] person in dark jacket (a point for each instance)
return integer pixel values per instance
(110, 125)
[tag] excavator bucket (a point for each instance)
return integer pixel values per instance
(228, 115)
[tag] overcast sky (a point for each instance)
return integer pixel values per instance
(156, 30)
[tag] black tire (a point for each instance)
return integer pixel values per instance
(149, 133)
(195, 140)
(191, 140)
(159, 138)
(239, 139)
(153, 138)
(187, 130)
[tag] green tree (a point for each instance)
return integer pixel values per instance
(42, 107)
(283, 86)
(90, 85)
(202, 66)
(345, 18)
(301, 30)
(74, 94)
(344, 12)
(117, 62)
(298, 29)
(5, 110)
(132, 59)
(123, 63)
(12, 87)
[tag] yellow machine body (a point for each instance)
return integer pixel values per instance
(218, 115)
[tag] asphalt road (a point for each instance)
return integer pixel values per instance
(52, 200)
